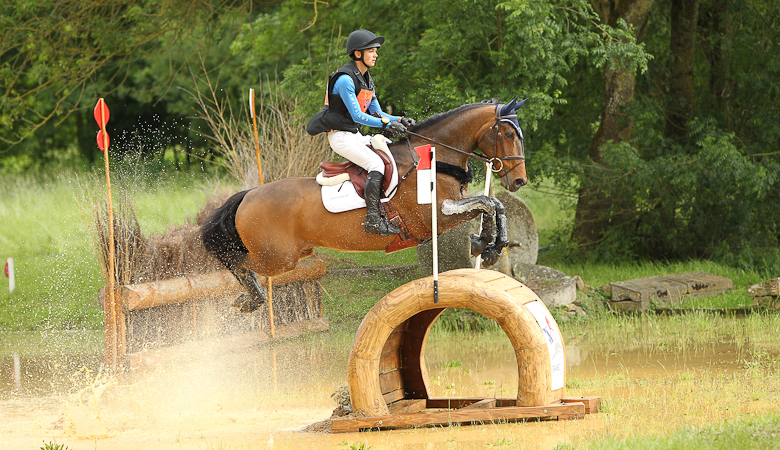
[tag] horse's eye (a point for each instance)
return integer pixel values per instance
(509, 135)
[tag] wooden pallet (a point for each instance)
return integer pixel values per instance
(451, 411)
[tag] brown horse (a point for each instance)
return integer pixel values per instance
(266, 230)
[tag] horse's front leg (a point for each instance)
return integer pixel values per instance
(493, 238)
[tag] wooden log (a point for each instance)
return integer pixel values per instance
(482, 404)
(591, 403)
(188, 288)
(342, 425)
(488, 292)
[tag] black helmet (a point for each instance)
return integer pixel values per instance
(361, 40)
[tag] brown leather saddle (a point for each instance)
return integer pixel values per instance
(357, 175)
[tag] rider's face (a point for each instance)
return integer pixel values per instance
(369, 57)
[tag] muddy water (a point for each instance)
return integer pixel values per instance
(212, 396)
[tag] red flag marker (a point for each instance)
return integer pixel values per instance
(102, 140)
(9, 273)
(424, 174)
(102, 114)
(111, 309)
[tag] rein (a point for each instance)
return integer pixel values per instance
(491, 161)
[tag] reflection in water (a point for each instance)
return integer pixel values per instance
(223, 395)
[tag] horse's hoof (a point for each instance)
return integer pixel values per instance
(490, 256)
(247, 304)
(477, 245)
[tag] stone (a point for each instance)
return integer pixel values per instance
(553, 287)
(666, 291)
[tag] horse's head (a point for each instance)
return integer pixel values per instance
(502, 142)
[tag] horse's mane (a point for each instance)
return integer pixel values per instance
(436, 118)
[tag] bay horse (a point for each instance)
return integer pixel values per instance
(268, 229)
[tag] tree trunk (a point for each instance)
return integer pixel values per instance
(590, 218)
(679, 108)
(715, 24)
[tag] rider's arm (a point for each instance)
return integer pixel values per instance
(345, 88)
(374, 107)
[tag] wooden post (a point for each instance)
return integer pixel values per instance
(257, 139)
(111, 313)
(271, 307)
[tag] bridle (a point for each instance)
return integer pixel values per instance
(490, 161)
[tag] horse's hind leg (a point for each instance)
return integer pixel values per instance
(255, 295)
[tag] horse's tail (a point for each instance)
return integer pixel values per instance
(220, 236)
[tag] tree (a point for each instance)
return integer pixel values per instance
(684, 16)
(591, 217)
(57, 57)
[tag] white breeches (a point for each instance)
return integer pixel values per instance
(353, 146)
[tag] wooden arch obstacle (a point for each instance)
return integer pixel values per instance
(388, 381)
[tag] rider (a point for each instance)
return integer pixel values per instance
(350, 102)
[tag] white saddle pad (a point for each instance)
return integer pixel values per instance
(343, 196)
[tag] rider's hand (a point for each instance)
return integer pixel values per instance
(408, 122)
(397, 127)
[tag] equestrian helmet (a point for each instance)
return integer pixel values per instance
(361, 40)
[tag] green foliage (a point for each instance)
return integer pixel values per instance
(709, 203)
(54, 446)
(355, 445)
(717, 197)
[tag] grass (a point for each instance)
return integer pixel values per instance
(46, 223)
(751, 433)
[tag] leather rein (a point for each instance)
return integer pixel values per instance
(490, 161)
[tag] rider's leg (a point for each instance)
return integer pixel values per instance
(353, 146)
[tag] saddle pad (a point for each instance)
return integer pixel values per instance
(343, 196)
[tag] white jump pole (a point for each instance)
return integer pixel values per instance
(435, 227)
(488, 180)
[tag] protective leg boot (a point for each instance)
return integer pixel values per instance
(375, 222)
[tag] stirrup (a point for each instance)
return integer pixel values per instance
(382, 228)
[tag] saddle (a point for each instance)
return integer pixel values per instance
(337, 172)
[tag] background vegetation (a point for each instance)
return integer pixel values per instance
(656, 119)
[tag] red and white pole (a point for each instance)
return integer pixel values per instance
(426, 193)
(9, 273)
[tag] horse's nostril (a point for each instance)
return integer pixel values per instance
(520, 182)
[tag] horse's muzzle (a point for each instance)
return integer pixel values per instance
(519, 182)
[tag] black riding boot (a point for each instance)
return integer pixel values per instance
(375, 222)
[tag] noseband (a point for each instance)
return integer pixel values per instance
(490, 161)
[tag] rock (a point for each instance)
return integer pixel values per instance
(554, 287)
(580, 284)
(455, 245)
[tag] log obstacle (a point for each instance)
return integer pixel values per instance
(165, 313)
(386, 373)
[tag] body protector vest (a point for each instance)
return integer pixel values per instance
(334, 115)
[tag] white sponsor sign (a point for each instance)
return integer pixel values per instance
(552, 337)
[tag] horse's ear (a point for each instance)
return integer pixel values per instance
(519, 104)
(509, 108)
